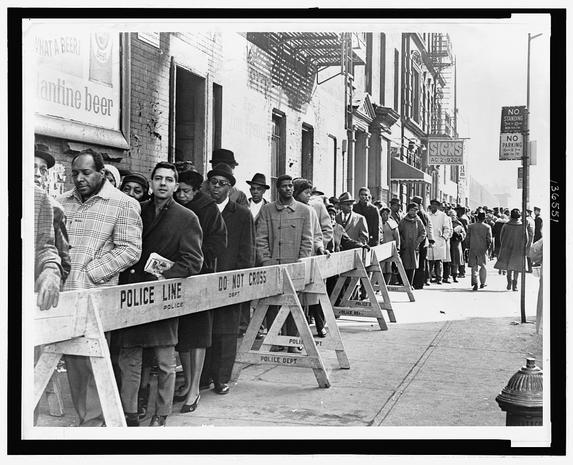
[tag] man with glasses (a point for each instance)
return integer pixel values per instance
(228, 158)
(239, 254)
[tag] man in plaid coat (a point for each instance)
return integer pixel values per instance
(104, 228)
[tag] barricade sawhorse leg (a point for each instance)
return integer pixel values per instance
(406, 285)
(333, 340)
(378, 283)
(93, 345)
(289, 304)
(370, 308)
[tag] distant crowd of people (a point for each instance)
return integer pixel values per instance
(103, 231)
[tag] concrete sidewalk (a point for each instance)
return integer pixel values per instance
(441, 364)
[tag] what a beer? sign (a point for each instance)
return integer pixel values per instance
(445, 152)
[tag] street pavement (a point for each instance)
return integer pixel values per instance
(441, 364)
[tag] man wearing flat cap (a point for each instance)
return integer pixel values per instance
(239, 254)
(258, 187)
(228, 158)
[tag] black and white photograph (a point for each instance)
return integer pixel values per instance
(353, 211)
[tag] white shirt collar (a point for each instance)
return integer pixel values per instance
(223, 204)
(255, 207)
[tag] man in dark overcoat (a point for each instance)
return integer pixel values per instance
(239, 254)
(172, 231)
(372, 215)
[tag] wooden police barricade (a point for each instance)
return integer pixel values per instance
(378, 254)
(351, 307)
(78, 325)
(318, 268)
(405, 287)
(289, 304)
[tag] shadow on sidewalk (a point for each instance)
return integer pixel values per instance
(464, 289)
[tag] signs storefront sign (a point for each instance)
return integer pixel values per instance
(520, 177)
(511, 146)
(445, 152)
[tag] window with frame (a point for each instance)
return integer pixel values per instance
(382, 69)
(278, 149)
(416, 95)
(307, 151)
(369, 63)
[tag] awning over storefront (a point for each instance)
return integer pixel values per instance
(401, 171)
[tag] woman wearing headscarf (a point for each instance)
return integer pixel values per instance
(195, 330)
(135, 185)
(412, 233)
(112, 175)
(513, 239)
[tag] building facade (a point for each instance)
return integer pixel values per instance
(344, 110)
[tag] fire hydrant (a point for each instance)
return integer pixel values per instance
(522, 398)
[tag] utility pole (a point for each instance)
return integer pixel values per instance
(525, 190)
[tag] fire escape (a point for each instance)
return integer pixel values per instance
(443, 111)
(319, 50)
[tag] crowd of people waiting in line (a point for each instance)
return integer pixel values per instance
(102, 232)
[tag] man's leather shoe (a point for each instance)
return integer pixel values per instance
(321, 333)
(158, 420)
(221, 388)
(481, 286)
(475, 288)
(295, 350)
(446, 281)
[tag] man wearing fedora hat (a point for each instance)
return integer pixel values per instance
(228, 158)
(239, 254)
(258, 188)
(354, 224)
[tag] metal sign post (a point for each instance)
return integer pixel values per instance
(525, 192)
